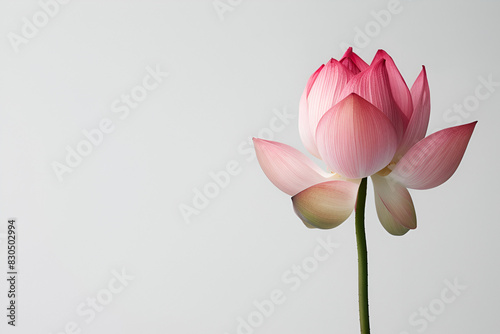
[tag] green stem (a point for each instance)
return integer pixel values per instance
(362, 258)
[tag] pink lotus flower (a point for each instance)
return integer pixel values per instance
(362, 120)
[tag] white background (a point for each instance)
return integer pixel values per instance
(229, 74)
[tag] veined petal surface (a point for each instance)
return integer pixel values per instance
(399, 89)
(355, 139)
(373, 85)
(434, 159)
(353, 62)
(305, 129)
(417, 127)
(325, 92)
(287, 168)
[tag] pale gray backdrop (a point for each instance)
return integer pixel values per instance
(123, 242)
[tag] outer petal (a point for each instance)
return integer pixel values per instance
(399, 89)
(434, 159)
(417, 127)
(373, 85)
(325, 91)
(305, 131)
(353, 62)
(288, 169)
(326, 205)
(356, 139)
(395, 208)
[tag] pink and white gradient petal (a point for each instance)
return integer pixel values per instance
(326, 205)
(373, 85)
(305, 130)
(394, 205)
(417, 127)
(355, 139)
(434, 159)
(287, 168)
(325, 92)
